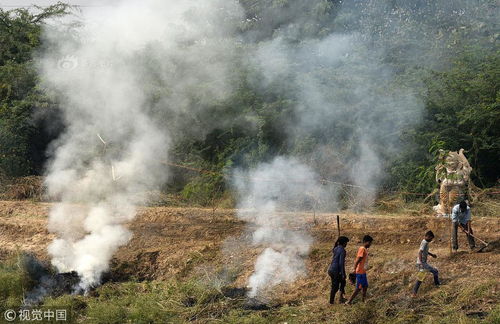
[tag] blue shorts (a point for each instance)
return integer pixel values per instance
(361, 281)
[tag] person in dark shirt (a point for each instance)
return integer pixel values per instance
(337, 269)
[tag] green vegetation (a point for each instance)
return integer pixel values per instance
(456, 75)
(198, 301)
(23, 138)
(12, 284)
(462, 111)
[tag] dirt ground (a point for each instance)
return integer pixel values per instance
(185, 242)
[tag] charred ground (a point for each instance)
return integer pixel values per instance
(195, 263)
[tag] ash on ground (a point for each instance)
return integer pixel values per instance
(256, 304)
(46, 281)
(250, 303)
(234, 292)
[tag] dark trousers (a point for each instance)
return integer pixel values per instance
(454, 239)
(338, 283)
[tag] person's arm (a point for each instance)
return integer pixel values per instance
(359, 257)
(432, 254)
(358, 260)
(454, 214)
(342, 263)
(423, 246)
(465, 227)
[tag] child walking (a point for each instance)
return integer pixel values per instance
(360, 267)
(337, 269)
(422, 264)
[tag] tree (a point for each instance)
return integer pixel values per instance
(22, 141)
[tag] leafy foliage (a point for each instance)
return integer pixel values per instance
(462, 111)
(461, 96)
(22, 140)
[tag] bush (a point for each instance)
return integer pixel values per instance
(204, 190)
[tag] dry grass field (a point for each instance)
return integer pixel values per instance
(192, 265)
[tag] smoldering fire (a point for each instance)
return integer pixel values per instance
(137, 49)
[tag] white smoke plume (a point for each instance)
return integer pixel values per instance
(137, 74)
(106, 74)
(341, 80)
(344, 76)
(265, 195)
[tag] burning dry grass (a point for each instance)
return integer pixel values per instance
(187, 265)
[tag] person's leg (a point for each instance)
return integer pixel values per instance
(364, 293)
(365, 286)
(472, 242)
(434, 272)
(416, 287)
(334, 289)
(342, 290)
(354, 294)
(454, 238)
(359, 284)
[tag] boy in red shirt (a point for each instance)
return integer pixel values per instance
(360, 267)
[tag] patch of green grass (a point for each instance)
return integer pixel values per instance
(200, 301)
(13, 283)
(135, 302)
(146, 302)
(494, 315)
(195, 301)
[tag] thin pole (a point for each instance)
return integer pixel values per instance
(338, 225)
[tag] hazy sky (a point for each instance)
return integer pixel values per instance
(9, 4)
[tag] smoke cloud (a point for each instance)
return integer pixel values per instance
(265, 194)
(345, 76)
(134, 78)
(340, 69)
(344, 94)
(106, 75)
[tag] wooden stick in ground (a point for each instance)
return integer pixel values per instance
(338, 225)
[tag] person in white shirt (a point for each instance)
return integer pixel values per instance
(422, 263)
(461, 216)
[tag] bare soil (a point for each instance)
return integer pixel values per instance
(185, 242)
